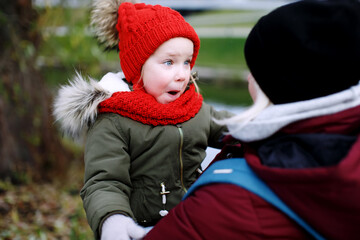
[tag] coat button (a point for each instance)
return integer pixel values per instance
(229, 155)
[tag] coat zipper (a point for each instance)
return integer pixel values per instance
(180, 157)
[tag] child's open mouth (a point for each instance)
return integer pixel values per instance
(173, 92)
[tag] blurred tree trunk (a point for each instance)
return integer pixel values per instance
(29, 143)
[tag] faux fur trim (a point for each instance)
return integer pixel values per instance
(75, 106)
(104, 17)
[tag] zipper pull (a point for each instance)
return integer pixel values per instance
(163, 195)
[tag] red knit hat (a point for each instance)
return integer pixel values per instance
(141, 29)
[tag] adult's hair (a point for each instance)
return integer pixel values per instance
(260, 103)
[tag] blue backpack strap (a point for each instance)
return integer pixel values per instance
(237, 171)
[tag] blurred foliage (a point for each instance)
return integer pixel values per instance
(44, 211)
(68, 44)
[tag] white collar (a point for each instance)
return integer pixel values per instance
(275, 117)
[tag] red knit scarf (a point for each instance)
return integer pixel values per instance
(142, 107)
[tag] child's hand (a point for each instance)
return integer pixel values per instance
(121, 227)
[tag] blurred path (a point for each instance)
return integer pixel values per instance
(224, 18)
(223, 72)
(220, 4)
(222, 32)
(225, 25)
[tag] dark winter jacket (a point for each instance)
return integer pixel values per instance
(126, 162)
(313, 165)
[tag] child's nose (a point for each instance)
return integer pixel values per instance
(181, 74)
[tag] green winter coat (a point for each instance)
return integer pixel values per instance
(126, 162)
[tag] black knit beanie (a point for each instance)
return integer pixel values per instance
(306, 49)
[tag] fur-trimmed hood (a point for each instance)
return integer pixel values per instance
(75, 106)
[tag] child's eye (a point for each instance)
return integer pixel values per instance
(168, 62)
(187, 62)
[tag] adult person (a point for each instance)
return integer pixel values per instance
(301, 136)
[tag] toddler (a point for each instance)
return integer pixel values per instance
(144, 146)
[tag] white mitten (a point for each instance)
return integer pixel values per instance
(121, 227)
(113, 82)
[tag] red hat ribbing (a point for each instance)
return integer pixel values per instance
(142, 29)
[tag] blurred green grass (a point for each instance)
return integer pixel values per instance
(232, 93)
(222, 52)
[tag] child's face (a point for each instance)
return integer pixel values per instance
(166, 72)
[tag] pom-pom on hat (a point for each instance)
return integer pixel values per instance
(306, 49)
(139, 29)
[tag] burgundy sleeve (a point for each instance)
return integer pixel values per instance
(218, 211)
